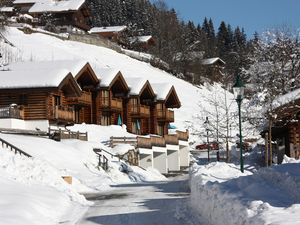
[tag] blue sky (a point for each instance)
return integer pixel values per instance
(252, 15)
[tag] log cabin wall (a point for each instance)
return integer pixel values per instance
(294, 139)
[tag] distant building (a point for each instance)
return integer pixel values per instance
(113, 33)
(142, 42)
(64, 14)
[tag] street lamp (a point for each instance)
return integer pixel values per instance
(206, 126)
(238, 91)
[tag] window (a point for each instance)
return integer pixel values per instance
(160, 130)
(105, 97)
(136, 127)
(57, 100)
(105, 120)
(160, 110)
(23, 99)
(134, 105)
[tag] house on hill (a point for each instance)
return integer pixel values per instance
(142, 42)
(213, 67)
(63, 14)
(72, 91)
(112, 33)
(286, 128)
(161, 115)
(40, 94)
(110, 97)
(140, 99)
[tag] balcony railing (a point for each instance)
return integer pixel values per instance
(184, 136)
(143, 142)
(11, 112)
(84, 99)
(171, 139)
(166, 115)
(114, 103)
(141, 110)
(158, 141)
(63, 113)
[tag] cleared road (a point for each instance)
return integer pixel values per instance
(163, 203)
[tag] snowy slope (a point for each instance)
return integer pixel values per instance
(39, 47)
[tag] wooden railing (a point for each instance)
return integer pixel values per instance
(122, 140)
(63, 112)
(158, 141)
(103, 160)
(167, 115)
(11, 112)
(183, 135)
(171, 139)
(58, 134)
(141, 110)
(116, 103)
(143, 142)
(14, 148)
(85, 98)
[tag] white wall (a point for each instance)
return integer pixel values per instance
(145, 160)
(173, 159)
(160, 161)
(24, 124)
(184, 153)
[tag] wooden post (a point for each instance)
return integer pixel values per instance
(266, 149)
(270, 140)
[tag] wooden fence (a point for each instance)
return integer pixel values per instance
(66, 134)
(13, 148)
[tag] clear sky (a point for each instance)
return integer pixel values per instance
(252, 15)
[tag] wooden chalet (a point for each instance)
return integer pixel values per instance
(112, 33)
(141, 99)
(110, 97)
(142, 42)
(37, 94)
(65, 14)
(161, 115)
(286, 128)
(88, 82)
(212, 67)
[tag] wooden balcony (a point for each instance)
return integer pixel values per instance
(158, 141)
(63, 113)
(165, 115)
(11, 112)
(115, 104)
(143, 142)
(183, 136)
(84, 99)
(171, 139)
(140, 111)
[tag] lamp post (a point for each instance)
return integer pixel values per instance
(238, 91)
(206, 123)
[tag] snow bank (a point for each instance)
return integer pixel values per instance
(33, 192)
(270, 196)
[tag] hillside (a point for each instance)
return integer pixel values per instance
(39, 47)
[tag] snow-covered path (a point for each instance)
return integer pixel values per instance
(163, 203)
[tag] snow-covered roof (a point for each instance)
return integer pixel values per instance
(7, 9)
(106, 75)
(161, 90)
(29, 1)
(56, 6)
(287, 98)
(211, 61)
(38, 74)
(142, 39)
(135, 84)
(107, 29)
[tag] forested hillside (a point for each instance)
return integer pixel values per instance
(181, 44)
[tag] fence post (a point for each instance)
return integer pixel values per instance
(77, 135)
